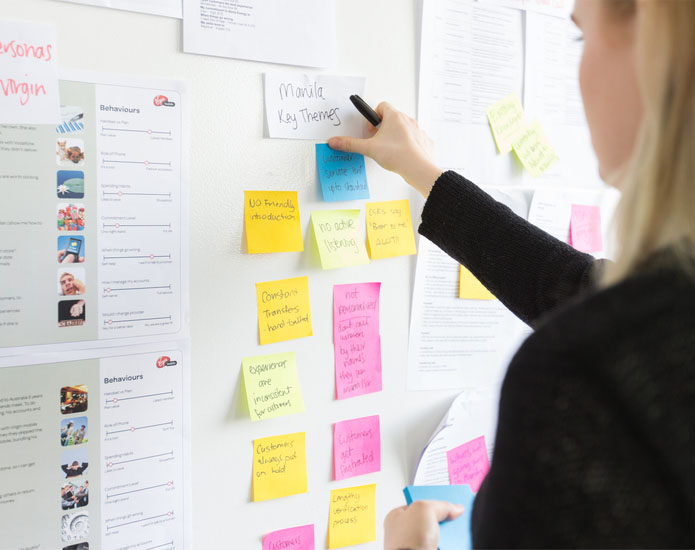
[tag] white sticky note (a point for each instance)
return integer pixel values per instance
(28, 73)
(312, 106)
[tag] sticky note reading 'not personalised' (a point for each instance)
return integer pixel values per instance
(312, 106)
(585, 228)
(507, 120)
(533, 150)
(294, 538)
(352, 516)
(338, 238)
(389, 229)
(471, 288)
(356, 339)
(468, 463)
(279, 466)
(271, 221)
(284, 312)
(28, 73)
(272, 385)
(356, 447)
(343, 176)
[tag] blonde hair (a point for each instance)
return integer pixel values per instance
(657, 209)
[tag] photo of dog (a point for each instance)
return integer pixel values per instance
(69, 152)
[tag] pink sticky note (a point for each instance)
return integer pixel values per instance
(356, 340)
(468, 463)
(294, 538)
(356, 447)
(585, 228)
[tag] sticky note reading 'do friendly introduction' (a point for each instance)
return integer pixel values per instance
(507, 120)
(279, 466)
(533, 150)
(272, 385)
(294, 538)
(352, 516)
(389, 229)
(284, 312)
(338, 238)
(271, 221)
(470, 288)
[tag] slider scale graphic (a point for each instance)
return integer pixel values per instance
(124, 194)
(114, 495)
(150, 132)
(135, 428)
(143, 162)
(108, 290)
(167, 514)
(119, 225)
(148, 256)
(139, 459)
(113, 321)
(120, 399)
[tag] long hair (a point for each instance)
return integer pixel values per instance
(657, 209)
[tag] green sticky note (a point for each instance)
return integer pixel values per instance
(507, 121)
(338, 238)
(272, 385)
(534, 150)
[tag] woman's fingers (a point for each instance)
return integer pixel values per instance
(350, 144)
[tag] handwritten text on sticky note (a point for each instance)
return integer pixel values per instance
(470, 288)
(312, 106)
(272, 221)
(338, 238)
(389, 229)
(294, 538)
(356, 339)
(585, 228)
(534, 150)
(28, 73)
(272, 385)
(468, 463)
(279, 466)
(284, 312)
(342, 175)
(356, 447)
(352, 516)
(507, 120)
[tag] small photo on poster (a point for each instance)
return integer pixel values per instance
(69, 152)
(70, 184)
(74, 431)
(75, 526)
(71, 313)
(74, 494)
(71, 281)
(74, 462)
(73, 399)
(78, 546)
(71, 120)
(70, 249)
(70, 216)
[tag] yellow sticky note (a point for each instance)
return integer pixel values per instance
(272, 385)
(284, 312)
(279, 466)
(471, 288)
(507, 120)
(271, 220)
(338, 238)
(352, 516)
(534, 150)
(389, 229)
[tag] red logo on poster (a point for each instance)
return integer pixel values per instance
(159, 100)
(163, 361)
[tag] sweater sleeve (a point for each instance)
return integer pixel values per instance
(528, 270)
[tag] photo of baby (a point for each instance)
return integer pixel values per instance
(73, 431)
(70, 184)
(71, 313)
(69, 152)
(71, 281)
(70, 249)
(70, 217)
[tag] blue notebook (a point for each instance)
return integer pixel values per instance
(453, 535)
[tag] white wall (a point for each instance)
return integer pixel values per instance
(228, 154)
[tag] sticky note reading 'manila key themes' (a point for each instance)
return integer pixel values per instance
(284, 312)
(352, 516)
(342, 175)
(279, 466)
(271, 220)
(272, 385)
(338, 238)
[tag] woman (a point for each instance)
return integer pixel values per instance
(595, 444)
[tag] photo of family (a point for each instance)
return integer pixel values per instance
(74, 462)
(71, 313)
(71, 281)
(73, 399)
(69, 152)
(73, 431)
(70, 184)
(70, 217)
(74, 495)
(70, 249)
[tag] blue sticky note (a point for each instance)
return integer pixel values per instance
(342, 175)
(456, 534)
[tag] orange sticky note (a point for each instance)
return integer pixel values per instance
(284, 312)
(470, 288)
(352, 516)
(271, 220)
(279, 466)
(389, 229)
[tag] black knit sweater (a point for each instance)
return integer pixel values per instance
(595, 444)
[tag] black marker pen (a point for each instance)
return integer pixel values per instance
(366, 111)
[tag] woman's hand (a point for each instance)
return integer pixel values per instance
(399, 145)
(416, 527)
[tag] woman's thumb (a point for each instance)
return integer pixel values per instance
(349, 144)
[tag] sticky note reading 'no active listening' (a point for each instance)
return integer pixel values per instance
(585, 228)
(470, 288)
(272, 221)
(468, 463)
(507, 120)
(279, 466)
(533, 150)
(389, 229)
(272, 385)
(284, 312)
(356, 447)
(356, 339)
(294, 538)
(338, 238)
(352, 516)
(312, 106)
(343, 176)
